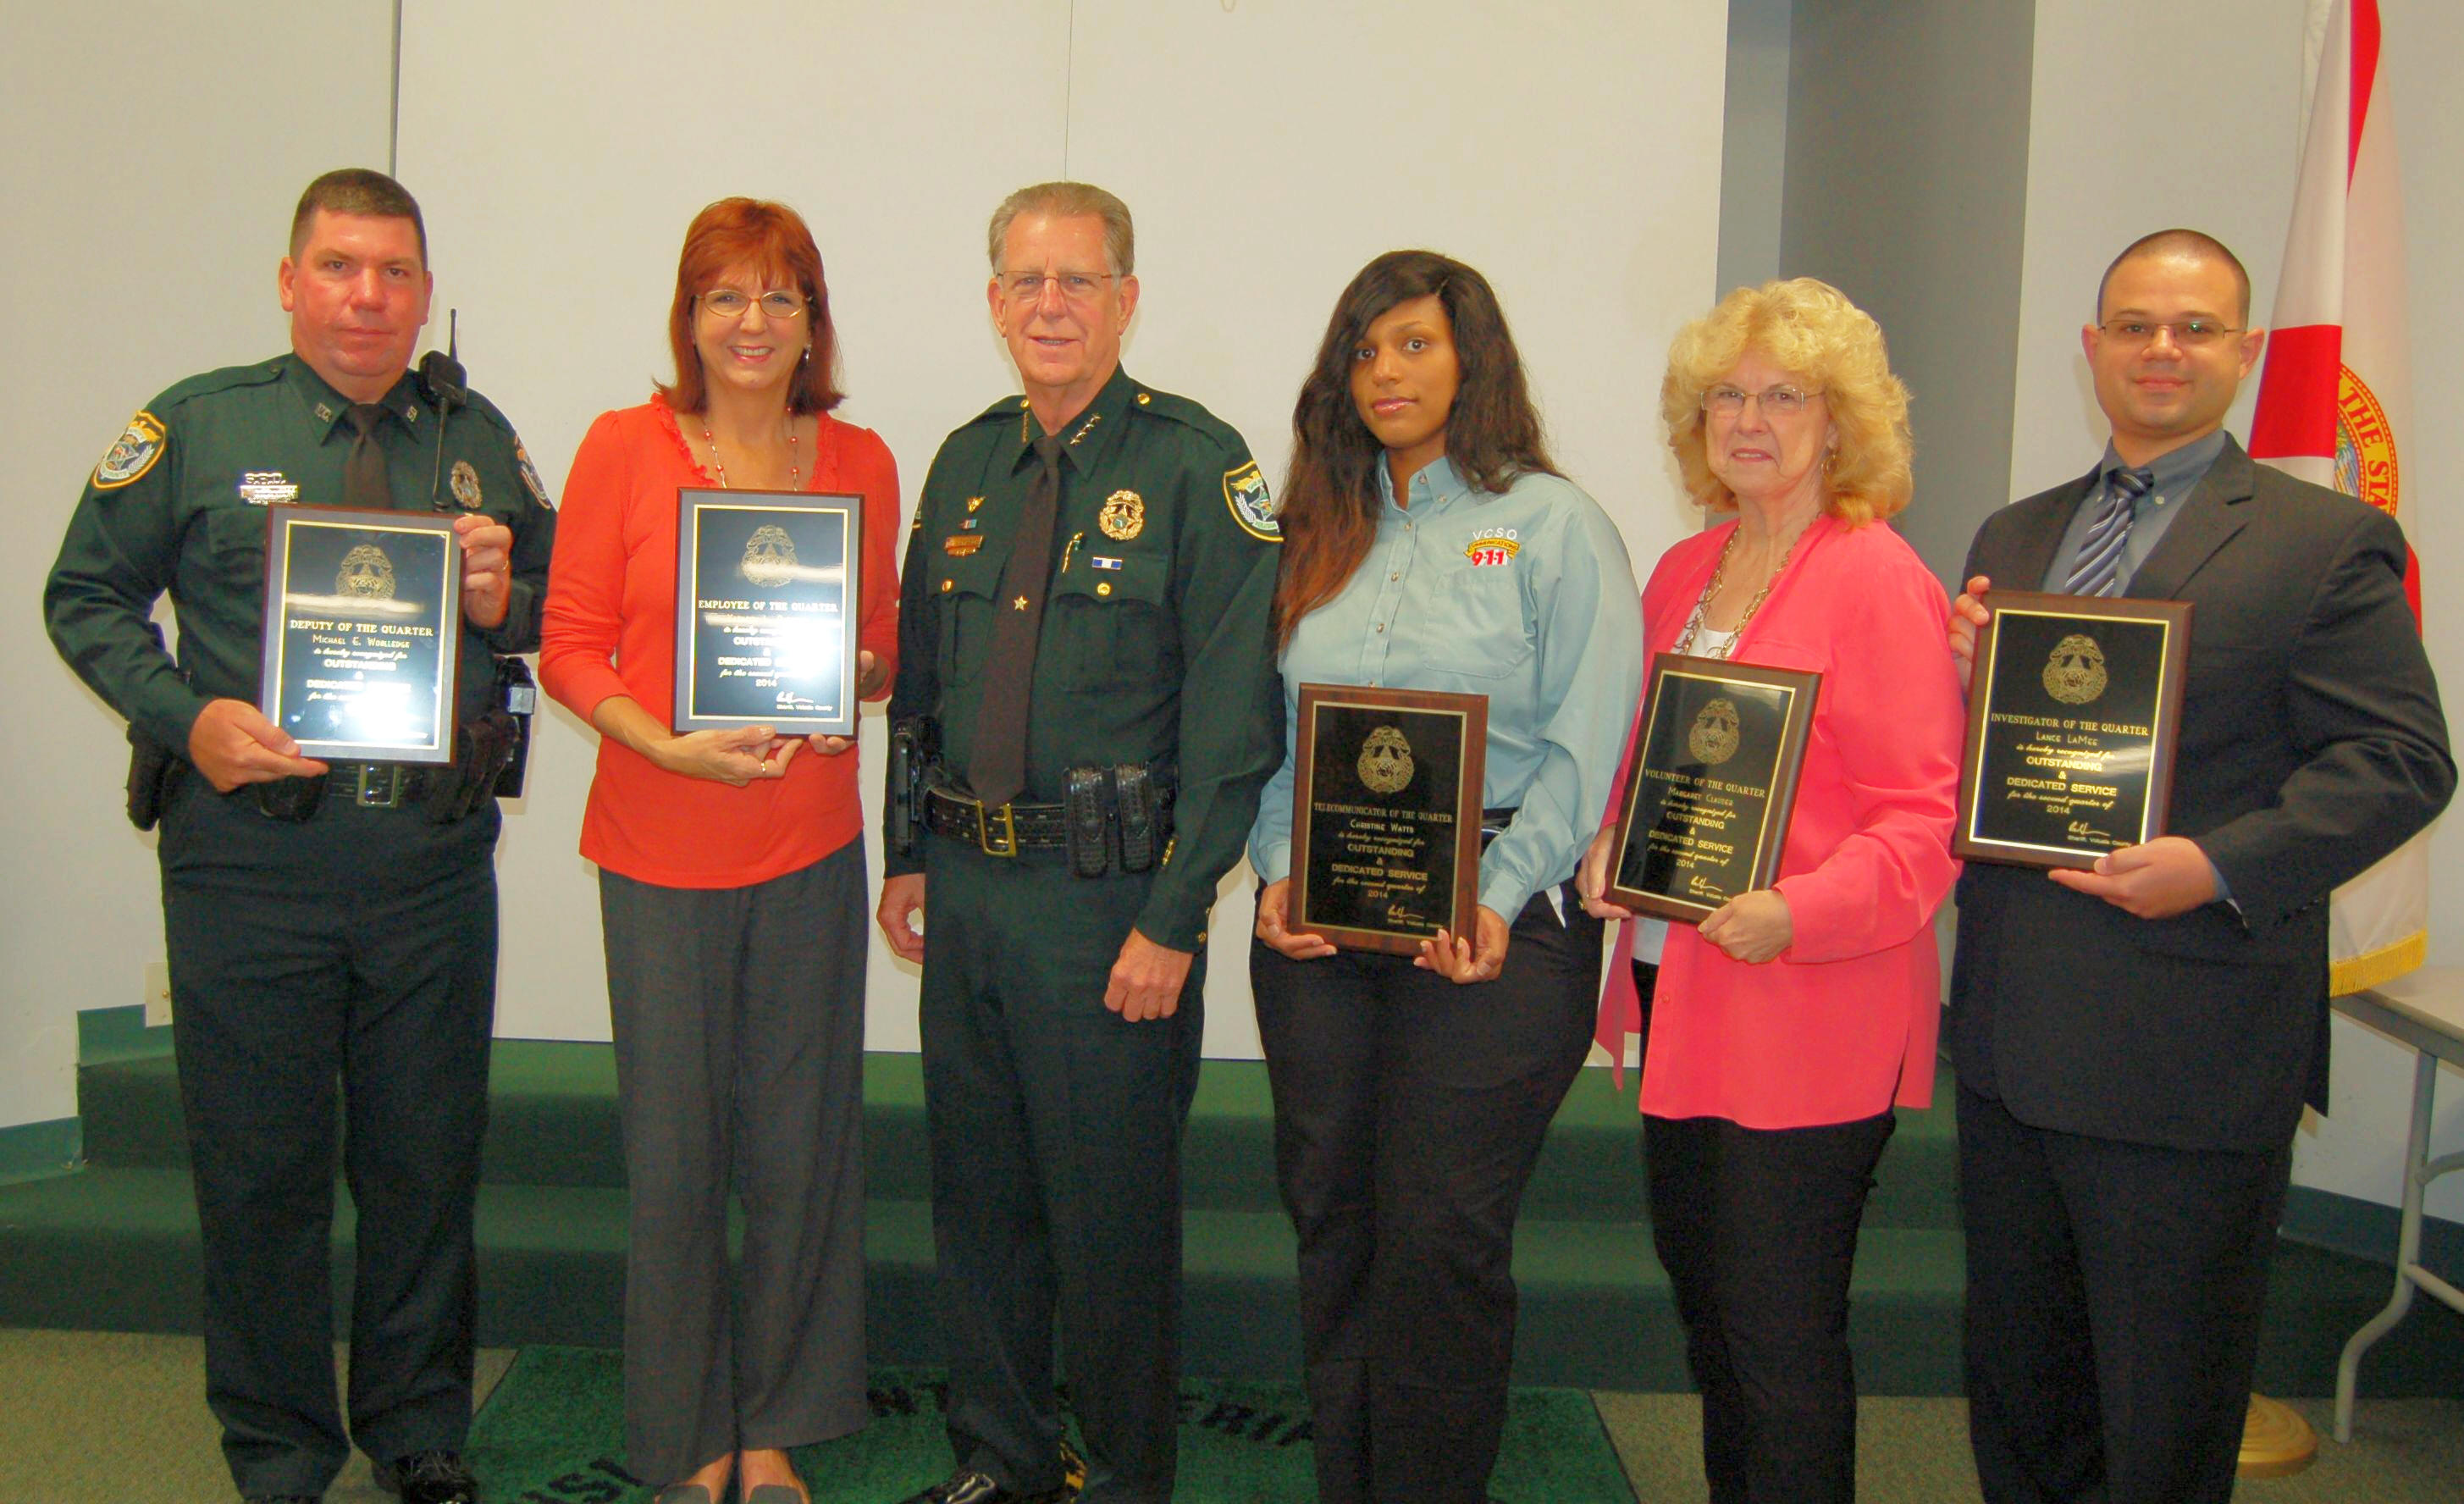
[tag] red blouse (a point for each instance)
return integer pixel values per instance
(610, 629)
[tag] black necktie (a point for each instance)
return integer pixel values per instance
(997, 765)
(364, 472)
(2098, 569)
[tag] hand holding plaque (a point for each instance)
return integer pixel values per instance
(1705, 813)
(1386, 816)
(767, 589)
(2074, 708)
(363, 632)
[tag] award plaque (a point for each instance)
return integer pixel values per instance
(766, 595)
(1705, 812)
(2074, 707)
(362, 632)
(1386, 816)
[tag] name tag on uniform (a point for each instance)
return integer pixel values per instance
(961, 544)
(267, 488)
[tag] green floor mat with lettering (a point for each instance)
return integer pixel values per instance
(552, 1432)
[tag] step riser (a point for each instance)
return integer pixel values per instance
(1234, 1327)
(1590, 1171)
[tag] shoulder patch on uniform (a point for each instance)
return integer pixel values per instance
(131, 454)
(1253, 507)
(529, 474)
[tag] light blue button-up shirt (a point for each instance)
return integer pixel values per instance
(1526, 597)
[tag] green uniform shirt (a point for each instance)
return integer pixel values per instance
(179, 504)
(1155, 646)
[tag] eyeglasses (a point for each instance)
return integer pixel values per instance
(2139, 333)
(1077, 287)
(729, 304)
(1776, 402)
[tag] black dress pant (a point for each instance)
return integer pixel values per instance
(1409, 1112)
(1757, 1228)
(352, 957)
(2113, 1296)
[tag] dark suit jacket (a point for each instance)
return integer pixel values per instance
(2311, 744)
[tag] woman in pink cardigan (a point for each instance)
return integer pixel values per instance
(1784, 1030)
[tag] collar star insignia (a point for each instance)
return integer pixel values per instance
(1018, 605)
(973, 502)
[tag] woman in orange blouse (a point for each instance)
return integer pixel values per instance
(731, 888)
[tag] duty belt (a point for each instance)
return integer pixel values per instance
(999, 829)
(1114, 818)
(379, 785)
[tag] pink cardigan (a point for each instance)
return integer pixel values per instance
(1842, 1024)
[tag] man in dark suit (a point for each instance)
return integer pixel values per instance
(2134, 1044)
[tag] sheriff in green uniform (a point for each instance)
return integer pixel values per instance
(322, 924)
(1085, 632)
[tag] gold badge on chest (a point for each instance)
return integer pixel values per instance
(466, 485)
(1123, 516)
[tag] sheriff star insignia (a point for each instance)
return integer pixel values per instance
(1018, 605)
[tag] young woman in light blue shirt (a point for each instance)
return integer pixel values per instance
(1430, 544)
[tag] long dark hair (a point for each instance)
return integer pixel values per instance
(1330, 511)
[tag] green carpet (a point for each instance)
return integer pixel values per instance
(552, 1432)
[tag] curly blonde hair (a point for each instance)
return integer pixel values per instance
(1828, 342)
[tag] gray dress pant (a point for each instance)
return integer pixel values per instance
(738, 1016)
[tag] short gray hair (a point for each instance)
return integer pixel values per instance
(1068, 201)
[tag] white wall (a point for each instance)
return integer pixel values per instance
(155, 151)
(2188, 114)
(1267, 147)
(1267, 150)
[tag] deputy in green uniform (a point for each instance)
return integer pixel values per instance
(322, 923)
(1087, 706)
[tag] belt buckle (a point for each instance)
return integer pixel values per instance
(1008, 846)
(379, 787)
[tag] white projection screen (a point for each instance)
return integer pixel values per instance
(1267, 147)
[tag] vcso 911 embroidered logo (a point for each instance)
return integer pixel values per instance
(1497, 546)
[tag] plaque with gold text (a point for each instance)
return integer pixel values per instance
(362, 632)
(2074, 708)
(1386, 816)
(766, 593)
(1705, 812)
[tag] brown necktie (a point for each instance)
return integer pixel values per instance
(364, 472)
(997, 765)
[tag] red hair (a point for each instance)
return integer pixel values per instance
(735, 231)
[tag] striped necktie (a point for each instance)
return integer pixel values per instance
(2097, 570)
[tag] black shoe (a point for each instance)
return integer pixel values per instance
(967, 1486)
(428, 1478)
(284, 1499)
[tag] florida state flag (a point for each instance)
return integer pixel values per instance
(2335, 399)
